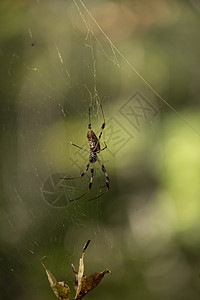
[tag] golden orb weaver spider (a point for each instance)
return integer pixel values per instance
(94, 150)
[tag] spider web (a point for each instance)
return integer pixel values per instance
(67, 62)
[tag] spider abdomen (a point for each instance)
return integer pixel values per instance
(92, 157)
(93, 141)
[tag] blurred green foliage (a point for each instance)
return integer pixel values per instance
(146, 229)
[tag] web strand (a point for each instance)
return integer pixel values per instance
(114, 48)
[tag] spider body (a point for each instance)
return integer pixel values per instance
(92, 157)
(93, 141)
(95, 148)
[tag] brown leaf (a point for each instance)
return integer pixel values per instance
(80, 274)
(61, 289)
(90, 282)
(83, 284)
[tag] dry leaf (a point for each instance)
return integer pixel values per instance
(61, 289)
(90, 282)
(82, 284)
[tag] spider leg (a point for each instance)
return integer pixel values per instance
(107, 180)
(89, 187)
(106, 175)
(79, 147)
(102, 148)
(102, 128)
(89, 125)
(82, 174)
(104, 123)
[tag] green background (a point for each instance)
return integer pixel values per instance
(54, 66)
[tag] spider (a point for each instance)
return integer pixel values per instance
(94, 150)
